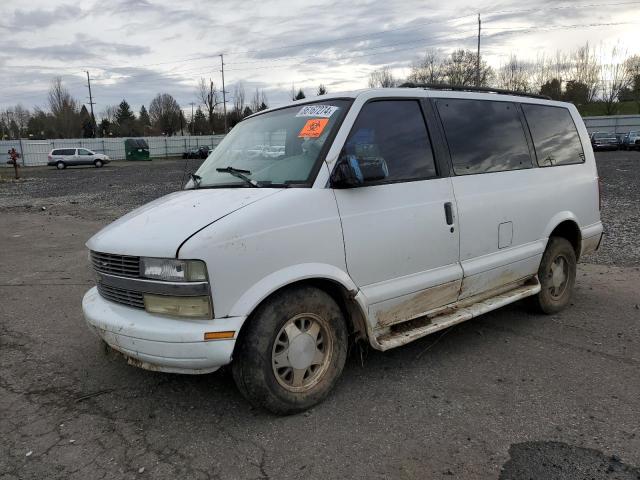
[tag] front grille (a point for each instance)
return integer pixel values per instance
(123, 265)
(120, 295)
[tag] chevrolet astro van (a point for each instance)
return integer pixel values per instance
(384, 215)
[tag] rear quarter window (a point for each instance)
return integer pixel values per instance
(484, 136)
(555, 137)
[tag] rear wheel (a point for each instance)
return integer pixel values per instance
(557, 275)
(61, 165)
(98, 163)
(291, 353)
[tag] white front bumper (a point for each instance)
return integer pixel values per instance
(160, 343)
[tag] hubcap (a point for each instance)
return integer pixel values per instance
(558, 276)
(301, 352)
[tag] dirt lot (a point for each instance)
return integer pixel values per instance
(510, 395)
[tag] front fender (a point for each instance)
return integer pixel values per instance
(286, 276)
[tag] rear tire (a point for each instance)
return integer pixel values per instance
(98, 163)
(61, 165)
(292, 351)
(557, 275)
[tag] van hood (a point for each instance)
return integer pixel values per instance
(157, 229)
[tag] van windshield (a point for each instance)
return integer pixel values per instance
(276, 149)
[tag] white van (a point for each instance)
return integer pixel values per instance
(391, 214)
(63, 157)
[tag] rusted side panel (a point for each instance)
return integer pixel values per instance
(497, 277)
(415, 305)
(451, 315)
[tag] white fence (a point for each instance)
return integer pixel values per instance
(34, 152)
(613, 123)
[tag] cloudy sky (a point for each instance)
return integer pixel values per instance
(137, 48)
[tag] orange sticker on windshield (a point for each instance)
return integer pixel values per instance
(313, 128)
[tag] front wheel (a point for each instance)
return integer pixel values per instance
(98, 163)
(557, 275)
(291, 353)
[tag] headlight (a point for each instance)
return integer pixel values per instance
(172, 270)
(192, 307)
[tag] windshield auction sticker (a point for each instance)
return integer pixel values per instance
(317, 111)
(313, 128)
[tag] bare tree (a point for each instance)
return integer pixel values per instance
(258, 101)
(561, 66)
(585, 69)
(541, 73)
(207, 94)
(514, 75)
(238, 99)
(633, 66)
(322, 90)
(64, 110)
(165, 114)
(461, 68)
(109, 113)
(382, 78)
(614, 77)
(429, 69)
(15, 120)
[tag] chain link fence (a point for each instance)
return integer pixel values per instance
(35, 152)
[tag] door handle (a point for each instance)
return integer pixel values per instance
(448, 213)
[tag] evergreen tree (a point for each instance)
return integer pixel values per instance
(87, 123)
(300, 95)
(322, 90)
(552, 89)
(125, 119)
(144, 121)
(200, 123)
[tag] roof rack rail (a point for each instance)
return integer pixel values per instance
(460, 88)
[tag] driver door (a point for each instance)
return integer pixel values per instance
(402, 248)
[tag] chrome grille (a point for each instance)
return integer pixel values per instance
(123, 265)
(119, 295)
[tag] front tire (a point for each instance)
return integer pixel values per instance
(557, 275)
(98, 163)
(292, 351)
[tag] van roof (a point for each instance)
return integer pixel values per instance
(419, 91)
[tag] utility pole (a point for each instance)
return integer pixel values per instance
(224, 94)
(478, 59)
(93, 118)
(192, 128)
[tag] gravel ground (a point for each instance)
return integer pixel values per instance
(509, 395)
(119, 187)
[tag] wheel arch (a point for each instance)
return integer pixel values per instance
(331, 280)
(567, 227)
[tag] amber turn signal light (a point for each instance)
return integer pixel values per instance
(219, 335)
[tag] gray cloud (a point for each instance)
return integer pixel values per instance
(38, 18)
(135, 48)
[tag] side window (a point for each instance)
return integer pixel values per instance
(82, 151)
(484, 136)
(68, 151)
(554, 134)
(390, 137)
(56, 152)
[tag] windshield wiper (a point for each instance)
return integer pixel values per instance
(196, 180)
(241, 174)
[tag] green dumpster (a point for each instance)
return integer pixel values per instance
(136, 149)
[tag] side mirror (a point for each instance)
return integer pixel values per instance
(351, 172)
(347, 173)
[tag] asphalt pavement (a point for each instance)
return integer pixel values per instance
(509, 395)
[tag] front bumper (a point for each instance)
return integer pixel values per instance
(159, 343)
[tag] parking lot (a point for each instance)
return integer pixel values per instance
(509, 395)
